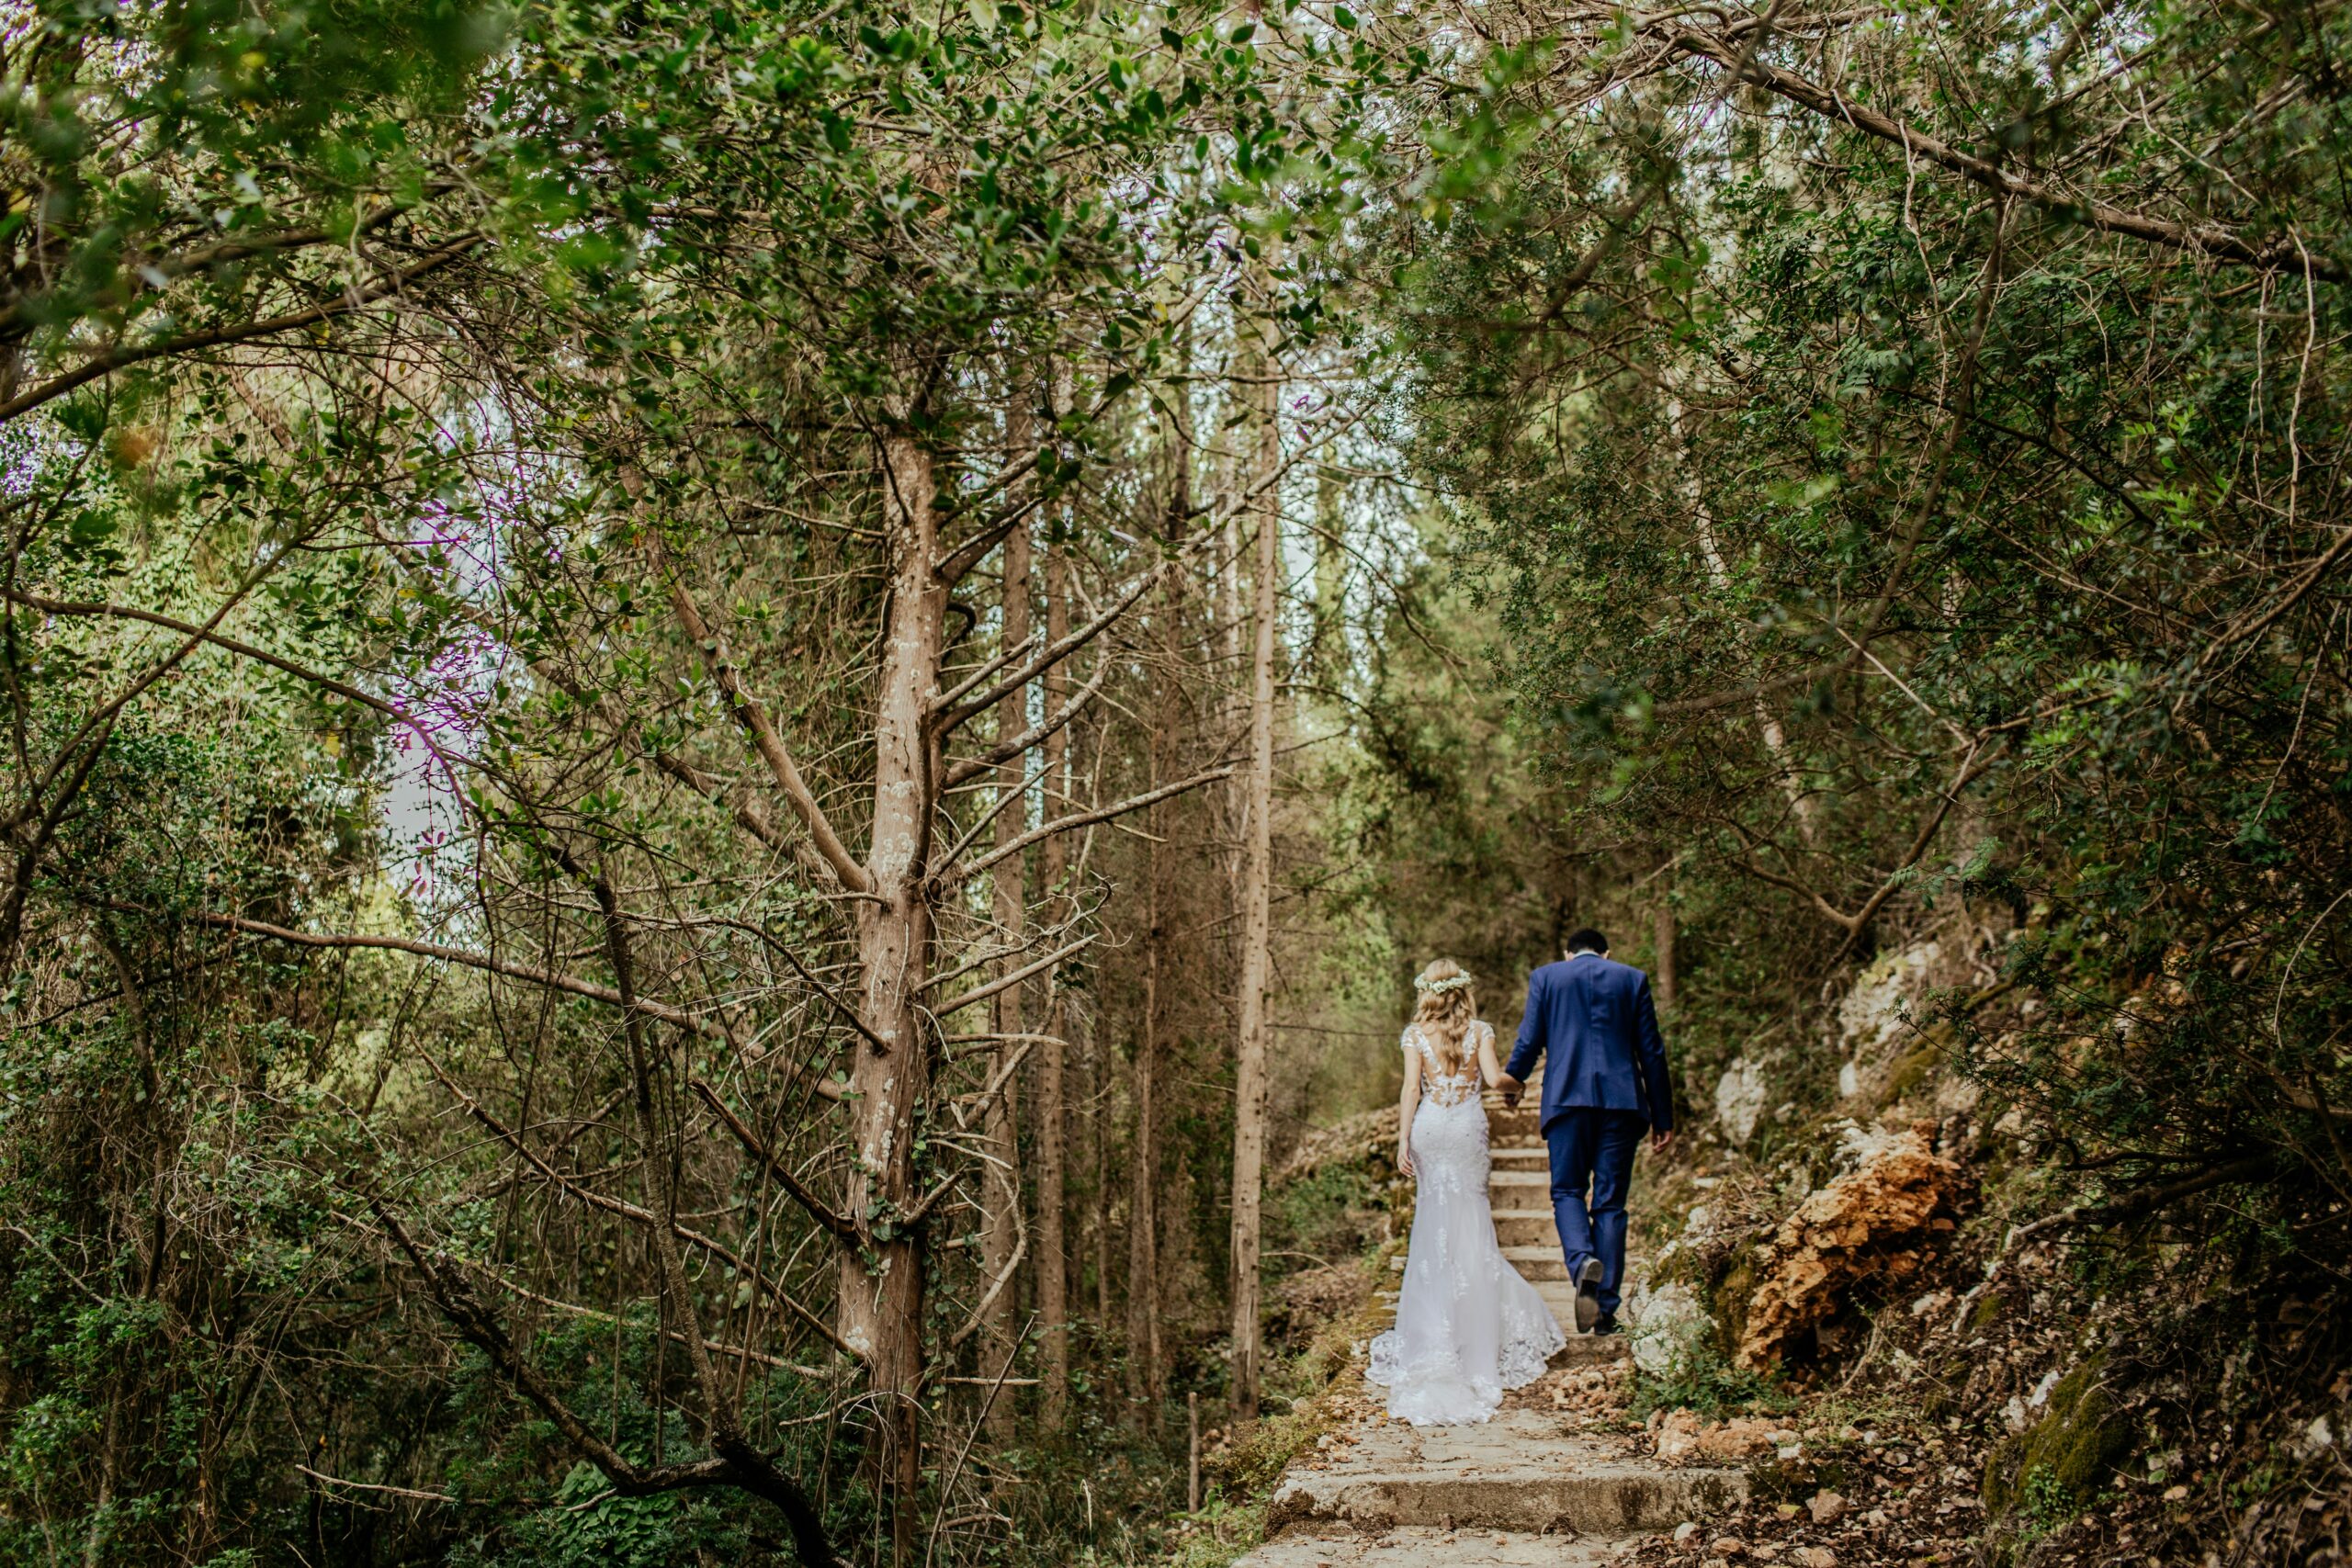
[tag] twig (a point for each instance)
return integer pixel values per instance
(409, 1492)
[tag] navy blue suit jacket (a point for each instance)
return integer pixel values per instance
(1593, 1022)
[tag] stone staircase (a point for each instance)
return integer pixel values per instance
(1533, 1488)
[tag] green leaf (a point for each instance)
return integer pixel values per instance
(88, 530)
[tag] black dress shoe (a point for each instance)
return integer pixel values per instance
(1607, 1324)
(1588, 1282)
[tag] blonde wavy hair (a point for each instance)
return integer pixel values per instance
(1446, 1009)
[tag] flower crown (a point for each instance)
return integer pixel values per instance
(1439, 987)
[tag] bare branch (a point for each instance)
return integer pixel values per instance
(818, 1208)
(2207, 239)
(1969, 769)
(554, 980)
(1064, 824)
(2146, 1201)
(732, 1462)
(947, 718)
(1005, 750)
(410, 1493)
(1007, 982)
(114, 359)
(972, 551)
(626, 1210)
(489, 964)
(755, 720)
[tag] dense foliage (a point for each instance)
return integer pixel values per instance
(1935, 501)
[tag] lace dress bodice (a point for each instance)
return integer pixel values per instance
(1437, 1084)
(1450, 1126)
(1468, 1326)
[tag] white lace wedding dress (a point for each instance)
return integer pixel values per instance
(1467, 1326)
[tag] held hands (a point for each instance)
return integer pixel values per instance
(1512, 1089)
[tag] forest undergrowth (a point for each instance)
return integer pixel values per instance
(2011, 1392)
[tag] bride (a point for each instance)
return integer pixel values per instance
(1468, 1325)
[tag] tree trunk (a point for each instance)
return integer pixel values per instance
(1257, 889)
(1000, 1213)
(881, 1280)
(1329, 659)
(1145, 1362)
(1662, 946)
(1098, 1148)
(1802, 805)
(1053, 1265)
(1142, 1200)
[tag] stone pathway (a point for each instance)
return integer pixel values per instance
(1547, 1483)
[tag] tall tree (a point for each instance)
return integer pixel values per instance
(1257, 869)
(1003, 1243)
(1052, 1119)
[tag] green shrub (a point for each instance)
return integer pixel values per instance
(1701, 1378)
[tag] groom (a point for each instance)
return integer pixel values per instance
(1604, 1083)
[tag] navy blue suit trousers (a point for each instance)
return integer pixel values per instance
(1592, 1153)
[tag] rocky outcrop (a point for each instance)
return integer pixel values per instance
(1875, 1227)
(1666, 1325)
(1740, 1096)
(1880, 1013)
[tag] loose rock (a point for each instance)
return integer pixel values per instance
(1873, 1224)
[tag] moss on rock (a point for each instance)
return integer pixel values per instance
(2062, 1462)
(1912, 1071)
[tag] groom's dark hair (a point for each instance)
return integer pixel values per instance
(1578, 941)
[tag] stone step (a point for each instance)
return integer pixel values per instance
(1561, 1297)
(1537, 1261)
(1520, 1154)
(1543, 1262)
(1587, 1349)
(1519, 1188)
(1432, 1548)
(1524, 1471)
(1524, 1125)
(1526, 1227)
